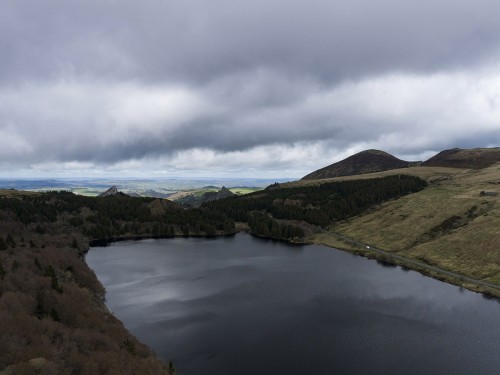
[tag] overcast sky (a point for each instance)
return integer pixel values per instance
(260, 88)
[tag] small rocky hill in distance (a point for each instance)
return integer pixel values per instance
(476, 158)
(113, 190)
(368, 161)
(215, 196)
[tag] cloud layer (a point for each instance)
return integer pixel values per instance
(275, 88)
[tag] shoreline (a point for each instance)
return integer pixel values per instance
(352, 246)
(104, 243)
(343, 243)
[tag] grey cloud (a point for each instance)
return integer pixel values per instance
(200, 41)
(266, 73)
(75, 123)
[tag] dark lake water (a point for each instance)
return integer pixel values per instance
(243, 305)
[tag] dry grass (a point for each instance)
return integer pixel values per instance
(427, 173)
(11, 193)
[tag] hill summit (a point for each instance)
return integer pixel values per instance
(113, 190)
(215, 196)
(368, 161)
(474, 158)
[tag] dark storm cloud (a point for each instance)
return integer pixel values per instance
(108, 81)
(203, 40)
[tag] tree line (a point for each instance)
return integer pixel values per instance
(267, 212)
(319, 205)
(105, 218)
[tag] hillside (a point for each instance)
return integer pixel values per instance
(53, 319)
(277, 211)
(196, 197)
(465, 158)
(368, 161)
(450, 224)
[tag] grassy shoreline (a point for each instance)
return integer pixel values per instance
(338, 242)
(449, 226)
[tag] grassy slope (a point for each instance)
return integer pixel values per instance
(412, 226)
(475, 158)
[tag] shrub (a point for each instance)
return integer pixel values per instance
(10, 241)
(55, 315)
(2, 272)
(3, 245)
(37, 264)
(15, 266)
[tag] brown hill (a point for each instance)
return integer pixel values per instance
(475, 158)
(368, 161)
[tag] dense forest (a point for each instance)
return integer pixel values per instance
(103, 219)
(274, 212)
(52, 316)
(319, 205)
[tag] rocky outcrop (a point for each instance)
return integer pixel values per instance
(113, 190)
(215, 196)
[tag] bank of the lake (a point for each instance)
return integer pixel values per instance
(53, 319)
(247, 305)
(338, 241)
(344, 243)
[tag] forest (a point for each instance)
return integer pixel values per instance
(103, 219)
(273, 212)
(320, 205)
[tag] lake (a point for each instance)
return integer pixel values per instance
(243, 305)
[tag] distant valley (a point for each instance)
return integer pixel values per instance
(184, 191)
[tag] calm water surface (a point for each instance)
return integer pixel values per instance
(244, 305)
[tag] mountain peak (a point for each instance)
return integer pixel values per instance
(113, 190)
(473, 158)
(374, 151)
(224, 192)
(367, 161)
